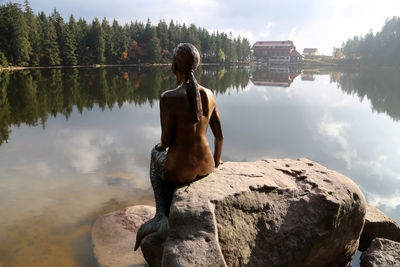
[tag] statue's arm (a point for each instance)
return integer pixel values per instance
(166, 119)
(215, 125)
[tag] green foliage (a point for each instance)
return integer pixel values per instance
(33, 35)
(14, 40)
(381, 48)
(221, 55)
(26, 39)
(51, 50)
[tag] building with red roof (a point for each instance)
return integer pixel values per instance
(279, 52)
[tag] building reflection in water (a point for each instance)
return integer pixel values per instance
(308, 76)
(281, 76)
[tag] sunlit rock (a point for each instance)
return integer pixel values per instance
(381, 253)
(268, 213)
(378, 224)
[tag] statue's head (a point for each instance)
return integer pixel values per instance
(186, 58)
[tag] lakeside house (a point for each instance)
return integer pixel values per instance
(276, 52)
(310, 51)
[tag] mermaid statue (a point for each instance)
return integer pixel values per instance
(184, 154)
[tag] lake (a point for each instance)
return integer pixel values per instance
(75, 143)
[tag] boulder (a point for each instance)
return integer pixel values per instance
(114, 236)
(378, 224)
(268, 213)
(382, 252)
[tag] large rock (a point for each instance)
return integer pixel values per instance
(381, 253)
(378, 224)
(114, 236)
(266, 213)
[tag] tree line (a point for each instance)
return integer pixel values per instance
(381, 48)
(27, 39)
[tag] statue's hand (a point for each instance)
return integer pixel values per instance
(160, 147)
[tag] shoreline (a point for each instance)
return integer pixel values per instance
(95, 66)
(299, 65)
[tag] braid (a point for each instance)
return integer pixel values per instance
(194, 97)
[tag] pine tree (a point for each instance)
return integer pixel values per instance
(69, 48)
(50, 47)
(33, 34)
(97, 42)
(108, 44)
(81, 35)
(14, 35)
(154, 48)
(162, 32)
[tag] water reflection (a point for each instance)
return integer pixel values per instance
(381, 87)
(29, 97)
(100, 125)
(282, 76)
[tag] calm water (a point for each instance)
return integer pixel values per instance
(75, 144)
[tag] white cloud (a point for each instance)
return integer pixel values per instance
(335, 130)
(322, 24)
(86, 149)
(390, 202)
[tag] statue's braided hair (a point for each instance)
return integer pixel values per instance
(186, 59)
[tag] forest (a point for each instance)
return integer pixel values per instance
(27, 39)
(381, 48)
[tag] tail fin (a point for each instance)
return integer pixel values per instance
(159, 225)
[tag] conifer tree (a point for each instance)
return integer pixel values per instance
(33, 34)
(82, 42)
(14, 34)
(69, 48)
(50, 47)
(97, 42)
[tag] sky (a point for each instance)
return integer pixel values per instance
(321, 24)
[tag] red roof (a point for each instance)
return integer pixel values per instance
(273, 43)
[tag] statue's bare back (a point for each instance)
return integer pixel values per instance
(189, 155)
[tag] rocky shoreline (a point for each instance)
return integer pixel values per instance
(274, 212)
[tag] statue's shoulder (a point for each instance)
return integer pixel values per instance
(206, 90)
(169, 94)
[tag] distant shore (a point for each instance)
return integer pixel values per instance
(11, 68)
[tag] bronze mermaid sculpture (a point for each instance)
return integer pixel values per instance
(184, 154)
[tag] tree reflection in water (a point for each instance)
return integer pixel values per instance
(29, 97)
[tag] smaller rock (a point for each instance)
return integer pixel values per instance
(381, 253)
(114, 236)
(378, 225)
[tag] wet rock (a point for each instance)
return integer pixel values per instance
(378, 224)
(381, 253)
(268, 213)
(114, 236)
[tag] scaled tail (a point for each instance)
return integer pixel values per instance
(156, 224)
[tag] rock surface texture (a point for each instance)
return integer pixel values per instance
(378, 224)
(268, 213)
(114, 235)
(381, 253)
